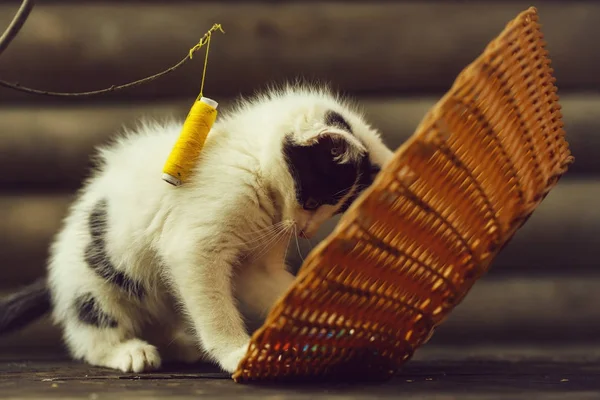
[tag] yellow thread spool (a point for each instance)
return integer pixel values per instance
(193, 135)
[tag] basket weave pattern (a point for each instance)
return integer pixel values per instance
(411, 247)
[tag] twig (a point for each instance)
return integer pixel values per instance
(113, 88)
(16, 24)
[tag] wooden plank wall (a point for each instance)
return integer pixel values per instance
(395, 57)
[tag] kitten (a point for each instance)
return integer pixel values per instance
(143, 272)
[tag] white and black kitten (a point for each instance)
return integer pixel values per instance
(143, 271)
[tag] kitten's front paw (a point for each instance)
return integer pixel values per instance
(232, 360)
(135, 356)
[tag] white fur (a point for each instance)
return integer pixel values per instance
(199, 248)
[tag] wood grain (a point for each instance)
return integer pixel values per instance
(376, 46)
(27, 225)
(561, 237)
(495, 373)
(520, 310)
(514, 310)
(49, 148)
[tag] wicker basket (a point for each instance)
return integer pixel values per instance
(411, 247)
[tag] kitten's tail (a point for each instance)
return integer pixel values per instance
(25, 306)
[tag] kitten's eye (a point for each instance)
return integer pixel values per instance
(336, 151)
(311, 204)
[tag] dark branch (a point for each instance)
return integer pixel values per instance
(113, 88)
(16, 24)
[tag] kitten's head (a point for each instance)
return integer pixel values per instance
(326, 154)
(329, 169)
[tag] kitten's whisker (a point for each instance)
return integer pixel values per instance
(343, 190)
(312, 246)
(266, 239)
(268, 232)
(261, 239)
(280, 223)
(357, 188)
(287, 248)
(269, 241)
(265, 230)
(298, 243)
(362, 187)
(273, 242)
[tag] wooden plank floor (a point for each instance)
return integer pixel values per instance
(437, 373)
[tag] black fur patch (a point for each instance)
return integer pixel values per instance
(333, 118)
(90, 313)
(368, 173)
(319, 178)
(97, 257)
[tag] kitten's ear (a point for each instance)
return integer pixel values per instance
(379, 153)
(333, 137)
(322, 137)
(343, 146)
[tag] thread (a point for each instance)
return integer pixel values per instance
(205, 64)
(193, 135)
(197, 125)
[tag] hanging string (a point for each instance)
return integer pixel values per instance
(204, 40)
(205, 64)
